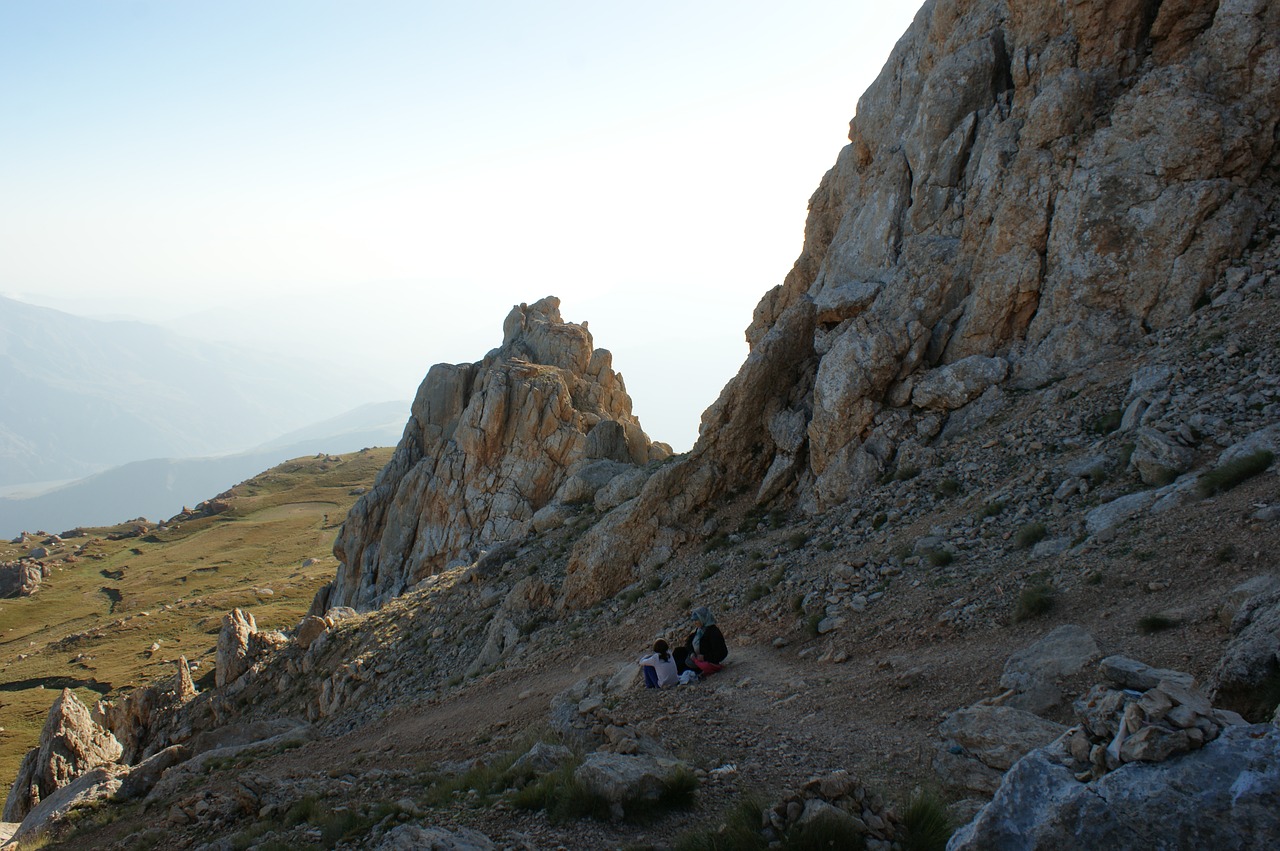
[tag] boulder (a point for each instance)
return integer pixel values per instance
(1034, 671)
(96, 785)
(308, 630)
(994, 737)
(1158, 459)
(1222, 796)
(412, 837)
(623, 779)
(20, 579)
(1244, 680)
(542, 758)
(1137, 676)
(234, 655)
(71, 744)
(956, 385)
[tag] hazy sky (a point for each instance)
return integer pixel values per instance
(378, 182)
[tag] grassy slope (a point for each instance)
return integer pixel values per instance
(173, 587)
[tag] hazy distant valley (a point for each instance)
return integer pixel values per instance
(115, 420)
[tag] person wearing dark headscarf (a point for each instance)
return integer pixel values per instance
(704, 651)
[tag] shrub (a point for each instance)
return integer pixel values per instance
(879, 520)
(1228, 475)
(906, 472)
(991, 509)
(1035, 600)
(1030, 535)
(710, 570)
(926, 824)
(1094, 577)
(1107, 422)
(1151, 624)
(740, 831)
(940, 558)
(1225, 554)
(716, 543)
(811, 625)
(823, 833)
(796, 540)
(947, 487)
(757, 591)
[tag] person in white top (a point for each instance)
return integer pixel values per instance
(659, 667)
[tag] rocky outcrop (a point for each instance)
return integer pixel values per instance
(1247, 677)
(71, 744)
(1221, 796)
(1027, 188)
(19, 579)
(542, 419)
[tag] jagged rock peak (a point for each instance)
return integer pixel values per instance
(542, 420)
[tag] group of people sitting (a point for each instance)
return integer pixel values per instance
(703, 653)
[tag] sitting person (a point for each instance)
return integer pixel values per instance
(704, 650)
(659, 667)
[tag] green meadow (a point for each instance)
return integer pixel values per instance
(117, 612)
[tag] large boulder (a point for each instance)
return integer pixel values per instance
(1033, 672)
(1247, 677)
(487, 445)
(1222, 796)
(19, 579)
(980, 742)
(71, 744)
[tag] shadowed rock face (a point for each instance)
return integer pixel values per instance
(487, 445)
(1028, 189)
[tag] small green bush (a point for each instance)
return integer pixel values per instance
(1094, 577)
(1232, 473)
(1151, 624)
(811, 625)
(711, 570)
(716, 543)
(757, 592)
(1030, 535)
(740, 831)
(926, 824)
(906, 472)
(1107, 422)
(1226, 554)
(1035, 600)
(991, 509)
(824, 833)
(940, 558)
(947, 487)
(796, 540)
(879, 520)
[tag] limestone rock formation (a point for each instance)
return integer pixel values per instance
(542, 419)
(71, 744)
(20, 579)
(1037, 185)
(1221, 796)
(1245, 677)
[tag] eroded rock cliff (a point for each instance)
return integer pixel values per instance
(1028, 189)
(542, 420)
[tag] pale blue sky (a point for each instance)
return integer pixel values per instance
(380, 181)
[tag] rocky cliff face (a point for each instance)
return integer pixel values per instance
(1028, 188)
(543, 420)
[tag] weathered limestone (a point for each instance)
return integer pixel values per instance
(1039, 185)
(542, 420)
(71, 744)
(1222, 796)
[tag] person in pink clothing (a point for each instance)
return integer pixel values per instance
(659, 667)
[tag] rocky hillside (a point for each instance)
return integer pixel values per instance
(989, 509)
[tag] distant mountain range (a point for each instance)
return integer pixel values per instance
(159, 488)
(83, 395)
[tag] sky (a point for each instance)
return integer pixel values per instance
(375, 184)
